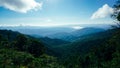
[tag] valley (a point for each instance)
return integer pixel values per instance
(67, 51)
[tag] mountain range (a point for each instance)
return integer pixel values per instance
(89, 42)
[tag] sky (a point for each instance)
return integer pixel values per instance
(55, 12)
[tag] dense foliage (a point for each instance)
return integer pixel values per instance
(20, 51)
(104, 55)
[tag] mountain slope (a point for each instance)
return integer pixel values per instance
(84, 43)
(53, 42)
(98, 51)
(86, 31)
(22, 51)
(74, 35)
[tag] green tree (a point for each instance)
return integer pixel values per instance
(21, 42)
(14, 59)
(36, 48)
(116, 14)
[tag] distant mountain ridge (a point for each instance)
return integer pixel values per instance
(63, 33)
(84, 43)
(76, 34)
(79, 51)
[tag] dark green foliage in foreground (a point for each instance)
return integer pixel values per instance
(104, 53)
(22, 43)
(23, 52)
(107, 55)
(36, 48)
(15, 59)
(100, 50)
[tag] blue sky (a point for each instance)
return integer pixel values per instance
(55, 12)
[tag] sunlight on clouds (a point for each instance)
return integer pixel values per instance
(102, 12)
(77, 27)
(22, 6)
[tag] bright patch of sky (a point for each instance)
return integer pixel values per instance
(55, 12)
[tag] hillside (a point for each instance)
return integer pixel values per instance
(52, 42)
(92, 50)
(63, 33)
(86, 31)
(84, 44)
(74, 35)
(21, 51)
(85, 52)
(38, 31)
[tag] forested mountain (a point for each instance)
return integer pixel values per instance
(93, 50)
(86, 31)
(76, 34)
(38, 31)
(52, 42)
(21, 51)
(63, 33)
(85, 43)
(104, 55)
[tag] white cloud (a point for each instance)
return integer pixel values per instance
(22, 6)
(102, 12)
(77, 27)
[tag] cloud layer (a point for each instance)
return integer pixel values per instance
(22, 6)
(102, 12)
